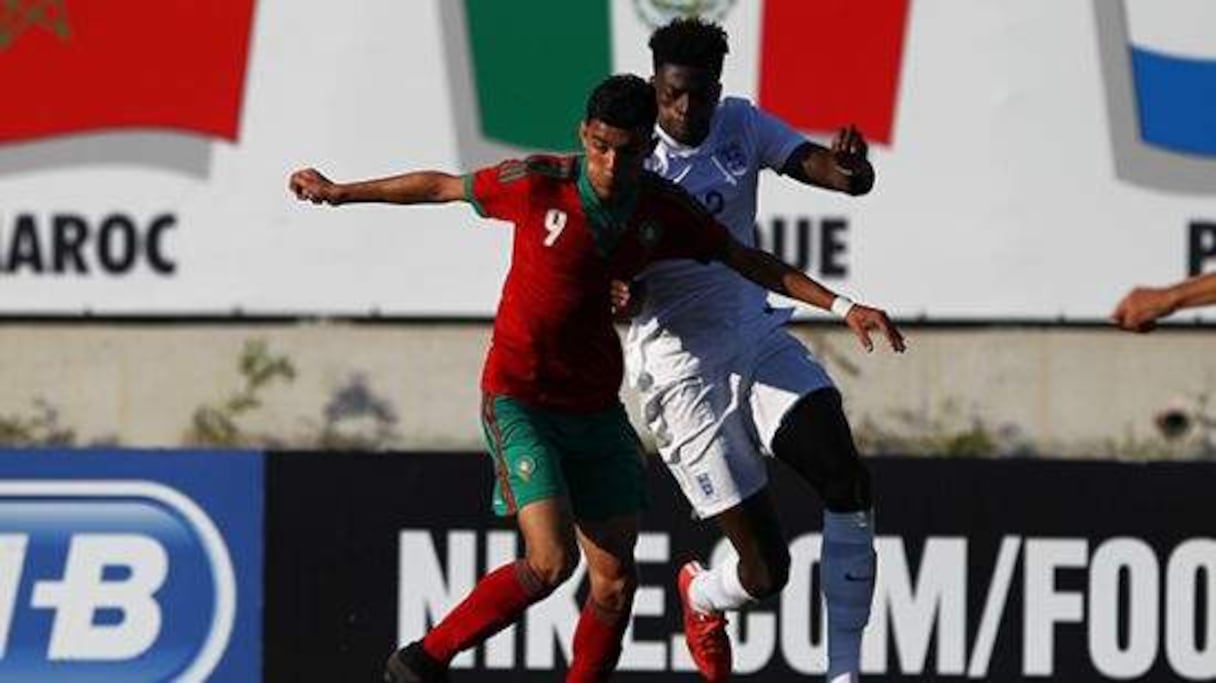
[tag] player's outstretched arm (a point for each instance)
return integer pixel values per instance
(419, 187)
(1140, 309)
(775, 275)
(843, 167)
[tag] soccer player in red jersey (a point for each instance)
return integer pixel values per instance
(566, 459)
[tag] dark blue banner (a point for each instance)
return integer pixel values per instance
(130, 566)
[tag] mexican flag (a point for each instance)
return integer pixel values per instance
(87, 65)
(819, 64)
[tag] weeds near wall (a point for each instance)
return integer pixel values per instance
(354, 418)
(948, 434)
(1186, 430)
(41, 428)
(219, 425)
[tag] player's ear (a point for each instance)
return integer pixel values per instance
(582, 133)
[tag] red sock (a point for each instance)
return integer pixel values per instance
(496, 601)
(597, 643)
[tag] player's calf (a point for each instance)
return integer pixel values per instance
(764, 574)
(597, 638)
(848, 568)
(763, 555)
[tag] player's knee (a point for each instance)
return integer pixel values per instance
(615, 590)
(816, 441)
(553, 566)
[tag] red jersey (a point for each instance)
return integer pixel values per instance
(554, 343)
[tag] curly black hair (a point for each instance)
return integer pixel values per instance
(623, 101)
(690, 41)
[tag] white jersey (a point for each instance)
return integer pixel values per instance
(694, 313)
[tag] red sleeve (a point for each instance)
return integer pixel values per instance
(499, 191)
(691, 231)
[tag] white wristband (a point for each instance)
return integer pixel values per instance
(841, 306)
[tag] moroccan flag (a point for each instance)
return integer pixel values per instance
(71, 66)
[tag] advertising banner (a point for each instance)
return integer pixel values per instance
(130, 566)
(1034, 159)
(988, 570)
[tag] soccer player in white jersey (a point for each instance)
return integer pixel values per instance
(1139, 309)
(723, 383)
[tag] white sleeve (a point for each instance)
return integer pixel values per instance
(776, 140)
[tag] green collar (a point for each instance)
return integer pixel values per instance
(607, 221)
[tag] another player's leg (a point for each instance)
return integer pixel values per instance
(710, 452)
(760, 562)
(500, 598)
(529, 484)
(757, 568)
(608, 547)
(603, 467)
(815, 440)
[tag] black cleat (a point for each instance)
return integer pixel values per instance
(411, 664)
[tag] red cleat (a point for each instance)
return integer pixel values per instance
(705, 632)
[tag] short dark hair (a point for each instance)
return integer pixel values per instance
(623, 101)
(690, 41)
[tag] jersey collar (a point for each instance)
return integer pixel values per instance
(674, 146)
(680, 150)
(606, 220)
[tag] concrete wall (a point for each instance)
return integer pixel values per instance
(1080, 391)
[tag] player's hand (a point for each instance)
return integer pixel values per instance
(1140, 309)
(626, 299)
(863, 320)
(849, 150)
(850, 144)
(311, 186)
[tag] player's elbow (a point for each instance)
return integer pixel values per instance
(444, 187)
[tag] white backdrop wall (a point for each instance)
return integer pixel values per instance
(1018, 180)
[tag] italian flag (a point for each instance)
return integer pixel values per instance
(818, 64)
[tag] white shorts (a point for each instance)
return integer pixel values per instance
(714, 429)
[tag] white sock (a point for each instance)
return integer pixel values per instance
(719, 589)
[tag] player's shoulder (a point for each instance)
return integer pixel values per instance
(737, 118)
(741, 112)
(552, 167)
(561, 168)
(736, 104)
(737, 110)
